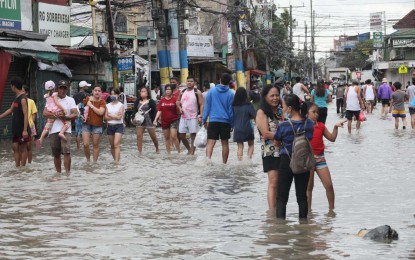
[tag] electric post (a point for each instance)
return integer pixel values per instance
(111, 42)
(159, 17)
(184, 65)
(235, 30)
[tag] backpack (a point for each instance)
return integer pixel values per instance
(302, 157)
(197, 98)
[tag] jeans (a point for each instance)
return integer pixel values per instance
(285, 180)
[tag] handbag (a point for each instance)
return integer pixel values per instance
(412, 102)
(139, 117)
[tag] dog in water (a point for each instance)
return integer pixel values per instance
(381, 234)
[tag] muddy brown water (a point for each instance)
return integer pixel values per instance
(157, 207)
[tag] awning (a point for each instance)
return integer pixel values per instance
(258, 72)
(74, 52)
(221, 67)
(36, 49)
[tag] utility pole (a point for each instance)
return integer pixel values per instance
(312, 42)
(267, 66)
(181, 20)
(149, 57)
(291, 43)
(111, 42)
(159, 16)
(305, 51)
(237, 52)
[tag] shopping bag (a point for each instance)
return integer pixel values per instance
(362, 116)
(201, 138)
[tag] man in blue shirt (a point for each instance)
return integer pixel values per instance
(218, 107)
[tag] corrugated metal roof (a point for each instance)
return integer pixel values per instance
(27, 45)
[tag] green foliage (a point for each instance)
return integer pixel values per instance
(358, 57)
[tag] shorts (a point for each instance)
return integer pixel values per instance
(174, 124)
(385, 102)
(20, 139)
(270, 163)
(398, 113)
(113, 129)
(350, 114)
(92, 129)
(372, 102)
(58, 145)
(320, 161)
(78, 127)
(218, 130)
(412, 111)
(188, 126)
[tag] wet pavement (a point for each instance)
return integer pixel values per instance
(156, 206)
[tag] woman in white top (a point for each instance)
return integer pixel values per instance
(370, 95)
(114, 115)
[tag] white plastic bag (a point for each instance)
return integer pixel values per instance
(201, 138)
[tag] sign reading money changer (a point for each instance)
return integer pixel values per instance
(54, 20)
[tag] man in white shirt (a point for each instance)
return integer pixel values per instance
(58, 145)
(299, 89)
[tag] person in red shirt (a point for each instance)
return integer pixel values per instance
(168, 111)
(321, 167)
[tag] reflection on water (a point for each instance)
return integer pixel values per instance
(157, 206)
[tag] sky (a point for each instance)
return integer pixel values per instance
(340, 17)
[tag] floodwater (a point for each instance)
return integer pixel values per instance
(156, 207)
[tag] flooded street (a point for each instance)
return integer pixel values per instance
(155, 207)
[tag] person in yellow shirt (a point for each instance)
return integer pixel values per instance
(31, 114)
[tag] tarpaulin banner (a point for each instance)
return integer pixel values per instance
(5, 60)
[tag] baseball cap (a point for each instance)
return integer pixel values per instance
(49, 85)
(84, 84)
(63, 83)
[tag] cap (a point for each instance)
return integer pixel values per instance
(384, 80)
(49, 85)
(84, 84)
(63, 83)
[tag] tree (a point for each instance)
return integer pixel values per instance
(358, 57)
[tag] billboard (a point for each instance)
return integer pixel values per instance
(10, 14)
(54, 20)
(376, 21)
(200, 46)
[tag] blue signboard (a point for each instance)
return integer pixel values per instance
(10, 24)
(125, 64)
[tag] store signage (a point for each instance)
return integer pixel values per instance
(54, 20)
(10, 14)
(125, 64)
(200, 46)
(403, 43)
(377, 39)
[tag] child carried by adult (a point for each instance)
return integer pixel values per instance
(53, 106)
